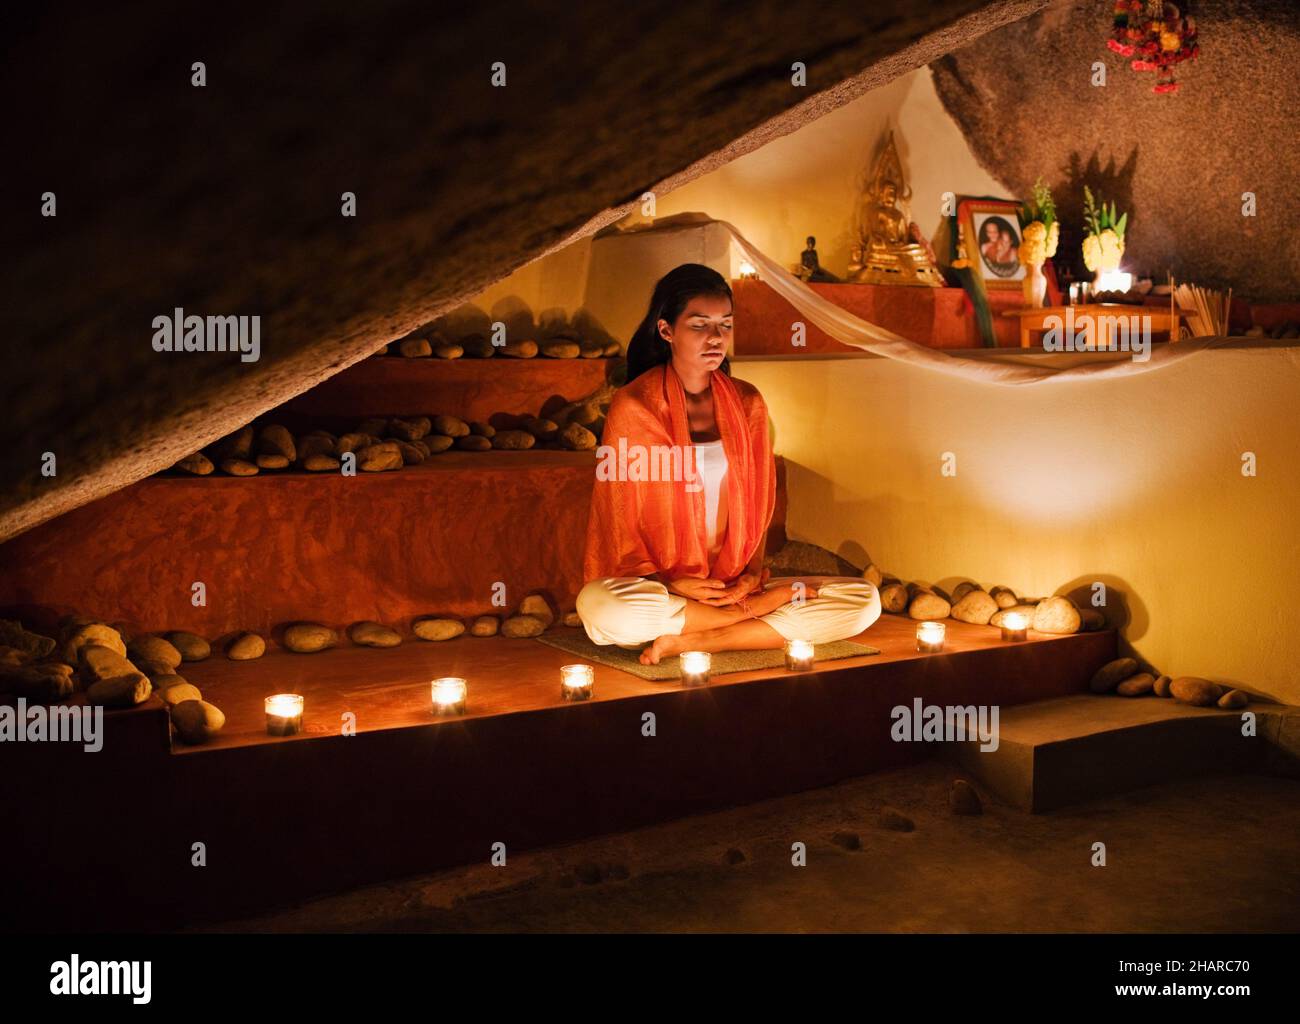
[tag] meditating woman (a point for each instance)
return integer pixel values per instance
(684, 494)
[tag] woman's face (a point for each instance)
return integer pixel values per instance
(701, 335)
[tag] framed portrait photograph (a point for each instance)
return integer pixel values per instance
(990, 231)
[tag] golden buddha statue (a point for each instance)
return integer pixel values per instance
(890, 249)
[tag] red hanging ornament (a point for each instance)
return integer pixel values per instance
(1157, 35)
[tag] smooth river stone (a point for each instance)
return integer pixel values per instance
(437, 628)
(485, 625)
(373, 634)
(893, 598)
(197, 721)
(122, 691)
(1198, 692)
(1005, 597)
(192, 646)
(928, 605)
(1111, 674)
(178, 693)
(536, 605)
(92, 633)
(976, 607)
(246, 647)
(1056, 615)
(961, 590)
(154, 649)
(518, 626)
(309, 637)
(1137, 686)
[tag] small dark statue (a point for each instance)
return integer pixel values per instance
(810, 268)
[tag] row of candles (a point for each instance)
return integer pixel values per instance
(577, 682)
(930, 634)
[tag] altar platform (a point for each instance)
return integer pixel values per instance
(112, 843)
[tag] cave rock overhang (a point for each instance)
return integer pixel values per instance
(223, 198)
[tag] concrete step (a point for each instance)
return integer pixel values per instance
(1057, 752)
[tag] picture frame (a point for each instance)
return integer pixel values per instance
(990, 238)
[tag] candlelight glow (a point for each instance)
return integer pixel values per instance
(1015, 626)
(284, 705)
(929, 637)
(1114, 281)
(696, 661)
(577, 682)
(449, 695)
(747, 269)
(284, 714)
(798, 656)
(799, 649)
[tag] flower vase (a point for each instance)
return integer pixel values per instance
(1035, 286)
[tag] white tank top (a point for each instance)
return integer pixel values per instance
(711, 466)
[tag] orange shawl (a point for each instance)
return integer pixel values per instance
(645, 520)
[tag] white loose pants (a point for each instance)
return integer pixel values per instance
(631, 611)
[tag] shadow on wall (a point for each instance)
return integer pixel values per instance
(1109, 184)
(521, 322)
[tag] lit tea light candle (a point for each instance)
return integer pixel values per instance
(798, 655)
(284, 714)
(577, 682)
(449, 695)
(929, 637)
(695, 668)
(1014, 626)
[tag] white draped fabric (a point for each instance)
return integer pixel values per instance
(844, 327)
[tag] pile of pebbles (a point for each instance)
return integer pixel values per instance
(1124, 677)
(112, 667)
(970, 602)
(565, 343)
(381, 444)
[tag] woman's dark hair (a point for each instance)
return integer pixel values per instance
(672, 293)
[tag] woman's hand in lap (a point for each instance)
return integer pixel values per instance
(708, 591)
(745, 584)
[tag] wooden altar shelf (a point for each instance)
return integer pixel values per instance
(1087, 318)
(285, 819)
(937, 317)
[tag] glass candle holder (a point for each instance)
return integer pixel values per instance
(284, 714)
(449, 694)
(695, 667)
(798, 655)
(577, 682)
(929, 637)
(1015, 626)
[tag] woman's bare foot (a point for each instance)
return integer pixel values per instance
(665, 647)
